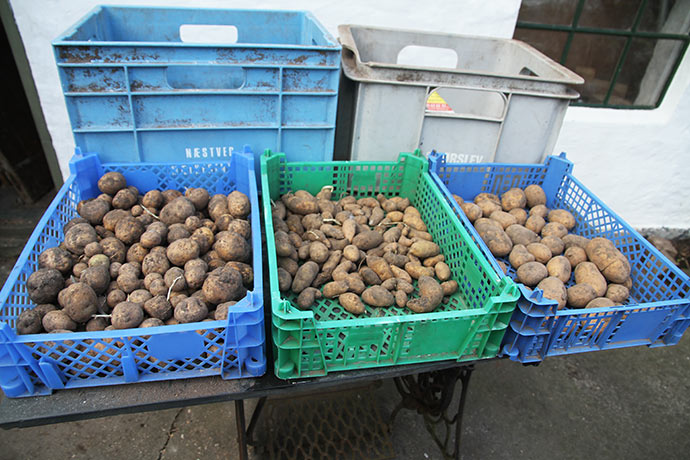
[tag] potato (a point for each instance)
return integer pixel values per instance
(555, 244)
(539, 210)
(288, 265)
(472, 211)
(367, 239)
(351, 253)
(56, 258)
(318, 252)
(204, 238)
(442, 271)
(335, 288)
(305, 276)
(377, 296)
(519, 214)
(600, 302)
(125, 199)
(78, 269)
(93, 210)
(181, 251)
(44, 285)
(301, 204)
(609, 260)
(521, 235)
(352, 303)
(198, 196)
(58, 320)
(153, 199)
(327, 269)
(231, 246)
(177, 211)
(380, 267)
(191, 310)
(554, 289)
(111, 182)
(79, 301)
(563, 217)
(488, 207)
(115, 296)
(588, 273)
(540, 252)
(393, 234)
(513, 198)
(175, 280)
(97, 277)
(554, 229)
(416, 271)
(535, 223)
(111, 218)
(560, 268)
(401, 274)
(29, 322)
(449, 287)
(151, 322)
(355, 283)
(307, 297)
(376, 217)
(369, 276)
(155, 262)
(430, 296)
(503, 218)
(78, 236)
(221, 312)
(96, 324)
(575, 255)
(284, 279)
(413, 220)
(531, 273)
(391, 284)
(222, 285)
(129, 230)
(502, 266)
(535, 195)
(520, 256)
(44, 308)
(617, 292)
(487, 196)
(498, 241)
(92, 249)
(571, 240)
(158, 307)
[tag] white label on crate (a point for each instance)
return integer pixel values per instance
(208, 152)
(461, 158)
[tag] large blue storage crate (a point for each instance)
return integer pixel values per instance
(155, 84)
(37, 364)
(658, 310)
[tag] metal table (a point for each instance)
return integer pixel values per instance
(437, 381)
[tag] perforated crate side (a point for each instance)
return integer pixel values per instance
(328, 338)
(40, 363)
(654, 315)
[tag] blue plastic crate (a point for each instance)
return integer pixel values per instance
(37, 364)
(658, 310)
(136, 92)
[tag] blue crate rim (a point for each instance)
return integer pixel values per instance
(61, 40)
(436, 159)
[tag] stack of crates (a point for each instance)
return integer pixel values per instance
(154, 94)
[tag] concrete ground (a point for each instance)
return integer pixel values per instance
(632, 403)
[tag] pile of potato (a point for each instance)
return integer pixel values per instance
(141, 261)
(360, 251)
(535, 239)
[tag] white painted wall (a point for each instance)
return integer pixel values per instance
(636, 161)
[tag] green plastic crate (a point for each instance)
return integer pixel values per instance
(327, 338)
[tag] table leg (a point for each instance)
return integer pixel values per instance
(241, 434)
(430, 395)
(255, 418)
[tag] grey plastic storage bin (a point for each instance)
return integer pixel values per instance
(507, 99)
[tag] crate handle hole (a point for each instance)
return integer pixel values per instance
(528, 72)
(427, 56)
(205, 77)
(206, 33)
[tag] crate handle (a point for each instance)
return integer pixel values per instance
(205, 77)
(427, 56)
(208, 33)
